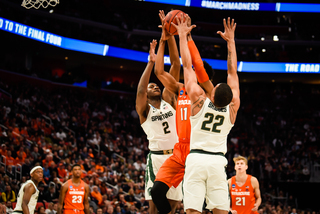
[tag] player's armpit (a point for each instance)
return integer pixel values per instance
(197, 105)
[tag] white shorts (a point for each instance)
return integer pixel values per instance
(154, 163)
(205, 178)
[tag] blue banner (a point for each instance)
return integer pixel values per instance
(106, 50)
(245, 6)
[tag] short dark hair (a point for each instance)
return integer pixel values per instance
(74, 165)
(223, 95)
(209, 69)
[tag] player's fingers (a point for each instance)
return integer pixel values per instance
(224, 23)
(178, 20)
(234, 26)
(228, 22)
(159, 26)
(193, 26)
(232, 22)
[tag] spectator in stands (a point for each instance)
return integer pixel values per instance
(96, 196)
(62, 172)
(132, 209)
(110, 209)
(41, 197)
(51, 195)
(2, 172)
(10, 172)
(46, 172)
(9, 208)
(99, 211)
(9, 159)
(8, 194)
(41, 210)
(50, 210)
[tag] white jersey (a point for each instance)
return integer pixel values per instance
(160, 127)
(210, 128)
(33, 200)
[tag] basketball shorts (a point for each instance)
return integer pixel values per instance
(72, 211)
(205, 178)
(172, 170)
(154, 162)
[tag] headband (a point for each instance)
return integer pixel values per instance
(34, 169)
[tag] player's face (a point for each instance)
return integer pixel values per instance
(153, 90)
(240, 166)
(37, 175)
(76, 171)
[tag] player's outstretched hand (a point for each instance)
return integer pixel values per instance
(182, 24)
(152, 51)
(165, 35)
(229, 29)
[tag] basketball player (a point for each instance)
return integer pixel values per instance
(212, 117)
(244, 189)
(172, 170)
(157, 118)
(74, 194)
(28, 193)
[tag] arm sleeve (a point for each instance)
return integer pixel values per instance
(197, 62)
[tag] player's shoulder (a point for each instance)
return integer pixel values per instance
(254, 181)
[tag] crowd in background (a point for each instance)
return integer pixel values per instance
(276, 129)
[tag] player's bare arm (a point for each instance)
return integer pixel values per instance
(232, 80)
(168, 79)
(196, 93)
(62, 196)
(142, 106)
(29, 190)
(207, 85)
(86, 199)
(256, 188)
(173, 49)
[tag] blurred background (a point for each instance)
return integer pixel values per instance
(63, 101)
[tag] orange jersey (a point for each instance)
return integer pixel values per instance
(74, 197)
(243, 198)
(183, 116)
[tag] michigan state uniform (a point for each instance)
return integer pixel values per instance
(32, 202)
(160, 128)
(205, 175)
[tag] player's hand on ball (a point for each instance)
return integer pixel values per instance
(182, 25)
(165, 34)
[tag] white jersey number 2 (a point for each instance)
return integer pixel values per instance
(76, 199)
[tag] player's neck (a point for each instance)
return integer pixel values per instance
(241, 177)
(154, 101)
(35, 182)
(76, 180)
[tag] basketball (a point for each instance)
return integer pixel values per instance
(171, 17)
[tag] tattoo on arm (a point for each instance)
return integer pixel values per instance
(229, 59)
(197, 104)
(232, 114)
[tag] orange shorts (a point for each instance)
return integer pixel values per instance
(69, 211)
(172, 170)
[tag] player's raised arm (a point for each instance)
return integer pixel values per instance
(141, 99)
(232, 80)
(169, 80)
(198, 64)
(29, 190)
(196, 93)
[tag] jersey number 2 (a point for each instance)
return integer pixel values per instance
(76, 199)
(165, 127)
(240, 201)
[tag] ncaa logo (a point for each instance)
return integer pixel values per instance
(233, 186)
(181, 92)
